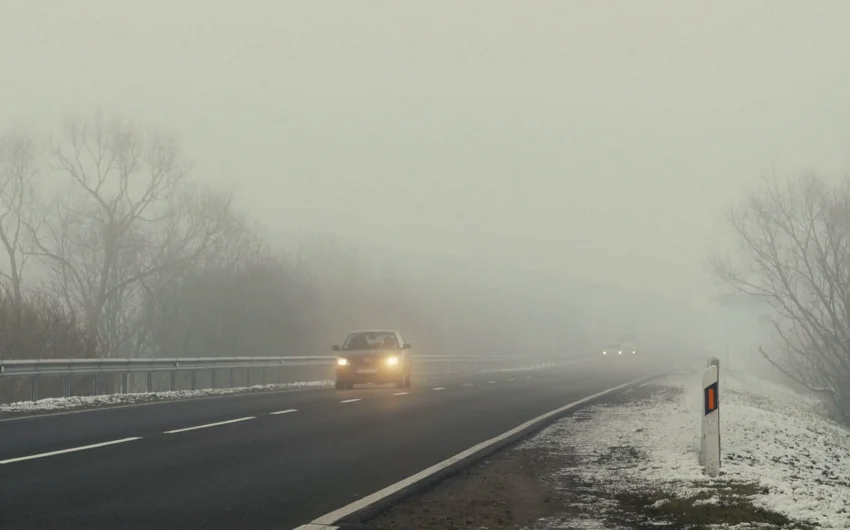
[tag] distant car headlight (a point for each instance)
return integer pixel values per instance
(620, 352)
(633, 352)
(392, 361)
(605, 353)
(342, 362)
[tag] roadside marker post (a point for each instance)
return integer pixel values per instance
(710, 446)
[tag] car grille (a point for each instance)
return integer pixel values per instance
(364, 361)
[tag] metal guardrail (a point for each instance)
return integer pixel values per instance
(66, 368)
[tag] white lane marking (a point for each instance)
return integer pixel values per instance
(469, 384)
(401, 393)
(72, 450)
(287, 411)
(311, 526)
(492, 381)
(529, 377)
(439, 388)
(334, 516)
(512, 379)
(629, 391)
(107, 408)
(175, 431)
(349, 400)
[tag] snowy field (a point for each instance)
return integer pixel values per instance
(636, 462)
(58, 404)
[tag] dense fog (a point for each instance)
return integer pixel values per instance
(216, 178)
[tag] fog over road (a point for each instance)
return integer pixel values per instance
(273, 460)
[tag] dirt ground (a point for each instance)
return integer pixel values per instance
(526, 489)
(497, 494)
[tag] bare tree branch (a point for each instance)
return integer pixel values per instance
(794, 251)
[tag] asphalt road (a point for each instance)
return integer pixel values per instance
(265, 470)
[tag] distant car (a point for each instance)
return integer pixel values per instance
(622, 348)
(377, 356)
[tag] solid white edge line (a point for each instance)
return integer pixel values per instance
(72, 450)
(439, 388)
(401, 393)
(175, 431)
(311, 526)
(350, 400)
(287, 411)
(336, 515)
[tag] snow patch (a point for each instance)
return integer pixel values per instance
(57, 404)
(776, 448)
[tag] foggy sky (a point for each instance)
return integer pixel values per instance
(597, 139)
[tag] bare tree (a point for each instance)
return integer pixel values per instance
(18, 153)
(128, 216)
(794, 253)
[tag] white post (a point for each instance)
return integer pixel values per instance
(710, 447)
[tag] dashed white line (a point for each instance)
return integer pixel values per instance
(439, 388)
(175, 431)
(401, 393)
(72, 450)
(529, 377)
(349, 400)
(492, 381)
(287, 411)
(469, 384)
(512, 379)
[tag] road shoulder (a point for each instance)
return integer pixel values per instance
(630, 461)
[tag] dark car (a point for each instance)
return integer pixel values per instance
(377, 357)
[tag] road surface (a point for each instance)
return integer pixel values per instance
(271, 460)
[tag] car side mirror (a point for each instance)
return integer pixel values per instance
(335, 347)
(407, 346)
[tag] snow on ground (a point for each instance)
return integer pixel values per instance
(55, 404)
(778, 453)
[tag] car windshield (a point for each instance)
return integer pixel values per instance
(371, 340)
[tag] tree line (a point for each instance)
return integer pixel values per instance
(114, 249)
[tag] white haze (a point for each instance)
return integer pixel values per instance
(592, 141)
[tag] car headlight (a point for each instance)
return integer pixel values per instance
(392, 361)
(620, 352)
(633, 352)
(605, 353)
(342, 362)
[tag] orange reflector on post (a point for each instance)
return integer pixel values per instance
(710, 399)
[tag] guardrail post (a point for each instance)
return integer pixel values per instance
(230, 383)
(173, 380)
(212, 378)
(150, 381)
(263, 376)
(194, 377)
(97, 384)
(277, 372)
(248, 376)
(34, 387)
(66, 385)
(710, 446)
(123, 382)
